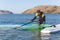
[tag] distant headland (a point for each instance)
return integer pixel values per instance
(5, 12)
(46, 9)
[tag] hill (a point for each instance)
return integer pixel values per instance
(46, 9)
(5, 12)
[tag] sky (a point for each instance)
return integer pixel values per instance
(18, 6)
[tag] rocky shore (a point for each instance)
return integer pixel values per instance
(46, 9)
(5, 12)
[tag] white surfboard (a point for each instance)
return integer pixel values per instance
(51, 29)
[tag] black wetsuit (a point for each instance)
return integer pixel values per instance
(41, 19)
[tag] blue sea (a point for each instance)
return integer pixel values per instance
(17, 19)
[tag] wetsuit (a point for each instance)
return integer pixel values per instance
(41, 18)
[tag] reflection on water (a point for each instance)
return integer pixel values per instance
(53, 36)
(45, 36)
(15, 34)
(42, 36)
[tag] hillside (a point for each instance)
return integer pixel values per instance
(46, 9)
(5, 12)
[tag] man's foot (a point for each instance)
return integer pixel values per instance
(54, 25)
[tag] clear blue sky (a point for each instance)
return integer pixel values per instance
(18, 6)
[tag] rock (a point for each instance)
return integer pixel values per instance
(46, 9)
(5, 12)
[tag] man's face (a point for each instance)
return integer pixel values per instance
(38, 13)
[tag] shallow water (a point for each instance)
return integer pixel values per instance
(18, 34)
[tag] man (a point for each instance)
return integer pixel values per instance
(40, 16)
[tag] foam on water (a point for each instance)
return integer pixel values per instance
(7, 27)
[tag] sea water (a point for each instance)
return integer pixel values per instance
(17, 19)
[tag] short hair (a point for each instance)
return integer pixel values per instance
(38, 11)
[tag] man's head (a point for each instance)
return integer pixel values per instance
(38, 11)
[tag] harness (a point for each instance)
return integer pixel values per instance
(40, 15)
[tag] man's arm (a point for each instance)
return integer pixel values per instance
(33, 18)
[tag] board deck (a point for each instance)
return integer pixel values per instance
(44, 28)
(34, 27)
